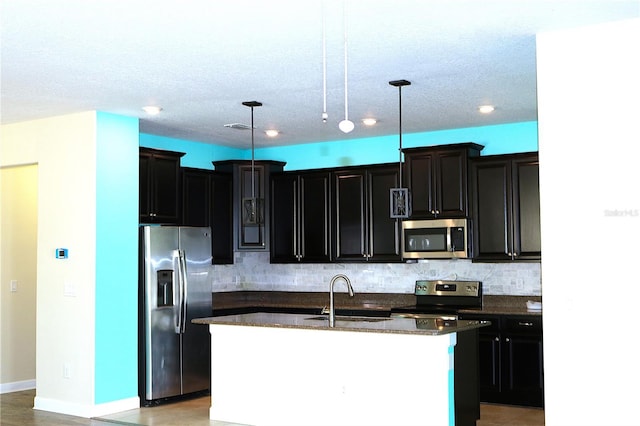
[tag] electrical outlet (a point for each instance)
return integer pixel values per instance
(13, 285)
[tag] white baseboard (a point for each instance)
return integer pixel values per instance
(83, 410)
(17, 386)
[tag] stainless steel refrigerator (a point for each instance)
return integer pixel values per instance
(175, 288)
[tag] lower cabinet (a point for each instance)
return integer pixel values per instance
(511, 367)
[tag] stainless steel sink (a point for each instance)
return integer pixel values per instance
(349, 318)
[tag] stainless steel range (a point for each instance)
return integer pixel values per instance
(441, 299)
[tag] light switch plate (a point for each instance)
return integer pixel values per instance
(69, 289)
(14, 286)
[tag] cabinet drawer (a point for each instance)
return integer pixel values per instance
(522, 324)
(494, 319)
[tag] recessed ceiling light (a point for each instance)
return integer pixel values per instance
(272, 133)
(486, 109)
(369, 121)
(152, 110)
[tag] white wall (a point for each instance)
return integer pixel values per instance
(18, 233)
(589, 111)
(65, 149)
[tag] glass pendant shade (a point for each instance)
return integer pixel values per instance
(400, 202)
(252, 211)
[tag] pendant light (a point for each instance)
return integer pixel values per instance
(400, 198)
(252, 206)
(345, 125)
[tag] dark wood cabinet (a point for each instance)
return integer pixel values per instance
(250, 181)
(506, 207)
(196, 197)
(363, 228)
(301, 217)
(438, 181)
(208, 201)
(511, 366)
(159, 182)
(221, 217)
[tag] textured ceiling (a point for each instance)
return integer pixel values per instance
(199, 60)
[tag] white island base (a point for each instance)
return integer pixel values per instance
(298, 376)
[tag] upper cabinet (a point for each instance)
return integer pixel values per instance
(363, 228)
(437, 180)
(250, 225)
(301, 217)
(208, 201)
(506, 207)
(160, 191)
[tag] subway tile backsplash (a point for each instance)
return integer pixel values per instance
(252, 271)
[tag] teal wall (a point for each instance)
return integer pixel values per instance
(116, 345)
(198, 154)
(498, 139)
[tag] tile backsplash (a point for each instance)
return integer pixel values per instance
(252, 271)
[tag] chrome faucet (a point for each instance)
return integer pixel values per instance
(332, 312)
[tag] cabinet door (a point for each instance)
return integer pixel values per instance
(451, 184)
(522, 361)
(489, 366)
(493, 235)
(526, 210)
(160, 186)
(221, 220)
(166, 190)
(383, 232)
(314, 228)
(350, 223)
(284, 218)
(523, 369)
(420, 182)
(145, 188)
(196, 197)
(251, 181)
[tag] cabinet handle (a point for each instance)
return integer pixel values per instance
(525, 324)
(497, 339)
(507, 340)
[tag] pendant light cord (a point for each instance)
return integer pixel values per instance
(400, 132)
(346, 102)
(324, 65)
(253, 180)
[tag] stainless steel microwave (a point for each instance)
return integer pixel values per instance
(435, 239)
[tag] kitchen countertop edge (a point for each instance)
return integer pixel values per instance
(306, 321)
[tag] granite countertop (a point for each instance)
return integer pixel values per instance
(507, 305)
(430, 327)
(375, 303)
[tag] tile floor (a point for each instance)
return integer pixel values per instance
(16, 409)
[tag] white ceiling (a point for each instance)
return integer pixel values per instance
(199, 60)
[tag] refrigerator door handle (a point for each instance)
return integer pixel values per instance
(182, 272)
(177, 291)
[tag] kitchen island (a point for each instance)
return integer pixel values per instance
(293, 369)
